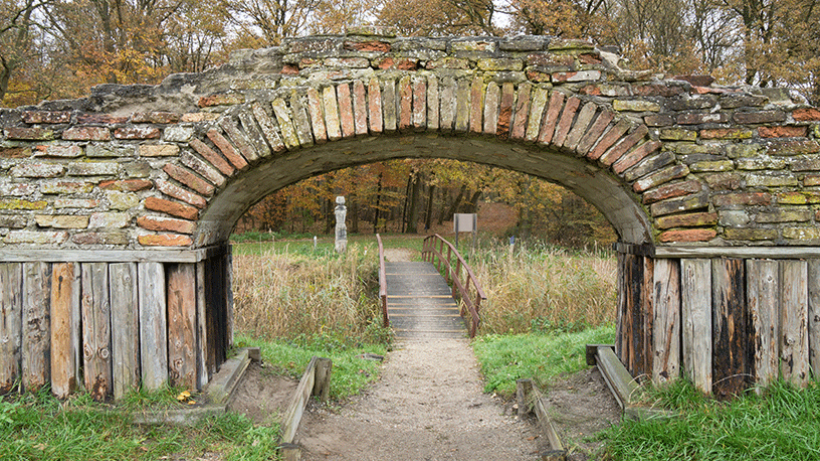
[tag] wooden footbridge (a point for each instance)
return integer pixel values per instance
(417, 301)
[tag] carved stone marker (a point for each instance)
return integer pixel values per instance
(341, 228)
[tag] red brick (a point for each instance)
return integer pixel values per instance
(782, 131)
(101, 119)
(594, 132)
(346, 110)
(406, 103)
(227, 149)
(419, 103)
(565, 122)
(221, 100)
(87, 133)
(372, 45)
(374, 106)
(689, 235)
(616, 151)
(137, 132)
(522, 108)
(29, 134)
(696, 80)
(161, 224)
(172, 208)
(505, 112)
(45, 116)
(554, 106)
(401, 64)
(127, 185)
(657, 90)
(163, 118)
(632, 158)
(809, 114)
(589, 58)
(211, 156)
(609, 138)
(290, 69)
(792, 147)
(165, 240)
(538, 77)
(180, 193)
(15, 152)
(687, 220)
(668, 191)
(189, 179)
(745, 198)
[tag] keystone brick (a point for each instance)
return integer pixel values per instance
(609, 138)
(360, 107)
(158, 150)
(162, 118)
(689, 235)
(792, 147)
(66, 187)
(108, 220)
(93, 169)
(211, 156)
(101, 238)
(374, 105)
(58, 151)
(742, 199)
(635, 105)
(162, 224)
(15, 152)
(677, 134)
(62, 221)
(44, 116)
(334, 130)
(188, 178)
(801, 233)
(660, 177)
(196, 117)
(36, 237)
(723, 181)
(687, 220)
(76, 203)
(666, 207)
(37, 170)
(87, 133)
(750, 234)
(766, 116)
(179, 193)
(491, 102)
(172, 208)
(268, 128)
(29, 134)
(782, 131)
(784, 215)
(127, 185)
(461, 117)
(345, 110)
(178, 133)
(726, 133)
(137, 132)
(221, 100)
(165, 240)
(701, 118)
(809, 114)
(100, 119)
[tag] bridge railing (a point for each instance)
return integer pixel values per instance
(434, 248)
(383, 282)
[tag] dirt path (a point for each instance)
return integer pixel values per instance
(428, 405)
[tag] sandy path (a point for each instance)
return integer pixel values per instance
(428, 405)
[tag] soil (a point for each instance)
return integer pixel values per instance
(261, 395)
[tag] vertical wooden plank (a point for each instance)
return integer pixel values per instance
(794, 334)
(96, 317)
(153, 335)
(182, 325)
(696, 313)
(731, 364)
(814, 317)
(635, 316)
(763, 299)
(627, 353)
(36, 326)
(211, 318)
(11, 321)
(648, 315)
(125, 334)
(65, 326)
(228, 289)
(666, 321)
(203, 376)
(620, 300)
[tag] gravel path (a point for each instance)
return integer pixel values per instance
(427, 406)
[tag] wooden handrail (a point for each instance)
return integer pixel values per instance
(453, 275)
(382, 282)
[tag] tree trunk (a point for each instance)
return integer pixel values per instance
(407, 191)
(413, 207)
(330, 216)
(428, 218)
(378, 203)
(354, 215)
(472, 205)
(454, 206)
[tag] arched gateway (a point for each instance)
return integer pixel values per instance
(116, 209)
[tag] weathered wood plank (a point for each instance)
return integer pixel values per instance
(65, 328)
(321, 385)
(36, 345)
(620, 303)
(153, 336)
(647, 316)
(814, 317)
(227, 286)
(11, 321)
(293, 414)
(203, 376)
(696, 316)
(96, 316)
(666, 325)
(794, 334)
(125, 332)
(731, 357)
(763, 298)
(182, 325)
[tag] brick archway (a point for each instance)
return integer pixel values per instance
(704, 185)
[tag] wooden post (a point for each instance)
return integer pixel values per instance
(619, 306)
(666, 325)
(794, 335)
(321, 384)
(153, 337)
(644, 314)
(696, 313)
(36, 326)
(731, 361)
(96, 317)
(182, 325)
(523, 390)
(203, 376)
(65, 325)
(814, 316)
(125, 333)
(763, 298)
(11, 321)
(228, 289)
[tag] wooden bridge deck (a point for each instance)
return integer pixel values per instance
(420, 303)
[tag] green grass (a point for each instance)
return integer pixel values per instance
(782, 424)
(507, 358)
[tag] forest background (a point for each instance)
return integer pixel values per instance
(56, 49)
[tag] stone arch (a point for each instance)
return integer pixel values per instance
(131, 193)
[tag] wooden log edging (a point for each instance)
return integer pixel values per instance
(531, 400)
(315, 381)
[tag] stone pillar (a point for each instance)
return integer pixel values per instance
(341, 228)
